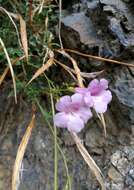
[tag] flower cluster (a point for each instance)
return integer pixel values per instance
(75, 110)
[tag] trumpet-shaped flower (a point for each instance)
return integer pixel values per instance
(73, 114)
(96, 95)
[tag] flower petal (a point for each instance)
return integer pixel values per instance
(60, 120)
(84, 113)
(101, 101)
(93, 84)
(88, 99)
(75, 123)
(81, 90)
(100, 107)
(94, 87)
(107, 96)
(104, 83)
(63, 103)
(77, 98)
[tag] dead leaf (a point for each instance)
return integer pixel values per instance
(20, 154)
(23, 34)
(44, 67)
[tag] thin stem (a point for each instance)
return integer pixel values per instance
(60, 9)
(59, 148)
(97, 57)
(55, 149)
(55, 141)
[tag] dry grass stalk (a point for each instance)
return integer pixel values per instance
(83, 74)
(20, 153)
(68, 69)
(102, 120)
(88, 159)
(76, 68)
(10, 15)
(42, 69)
(104, 124)
(23, 32)
(98, 58)
(2, 77)
(11, 68)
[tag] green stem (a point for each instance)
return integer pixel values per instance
(55, 149)
(59, 148)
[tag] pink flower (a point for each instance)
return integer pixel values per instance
(96, 95)
(73, 114)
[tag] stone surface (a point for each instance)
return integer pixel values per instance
(123, 88)
(104, 29)
(82, 26)
(114, 175)
(95, 140)
(116, 26)
(121, 171)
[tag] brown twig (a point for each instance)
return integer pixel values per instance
(68, 69)
(76, 68)
(83, 74)
(30, 12)
(98, 58)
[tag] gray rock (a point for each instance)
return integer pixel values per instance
(4, 174)
(123, 88)
(114, 175)
(81, 24)
(129, 181)
(115, 186)
(121, 172)
(116, 20)
(117, 30)
(104, 30)
(94, 140)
